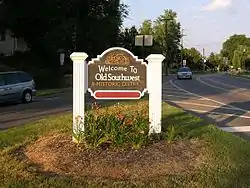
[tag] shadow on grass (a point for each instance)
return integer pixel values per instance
(186, 125)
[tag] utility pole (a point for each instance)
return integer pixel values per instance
(203, 57)
(182, 44)
(167, 52)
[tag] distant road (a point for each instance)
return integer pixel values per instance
(219, 98)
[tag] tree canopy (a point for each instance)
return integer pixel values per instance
(233, 49)
(50, 25)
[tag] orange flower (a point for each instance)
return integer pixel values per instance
(120, 116)
(129, 122)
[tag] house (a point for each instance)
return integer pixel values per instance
(10, 44)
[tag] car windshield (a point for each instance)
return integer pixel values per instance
(184, 69)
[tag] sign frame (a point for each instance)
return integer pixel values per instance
(125, 92)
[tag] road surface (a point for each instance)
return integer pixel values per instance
(219, 98)
(18, 114)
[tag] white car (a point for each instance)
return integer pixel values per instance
(184, 73)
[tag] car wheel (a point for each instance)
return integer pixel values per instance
(27, 97)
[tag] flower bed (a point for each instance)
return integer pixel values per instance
(115, 126)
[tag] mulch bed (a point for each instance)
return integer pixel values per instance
(57, 153)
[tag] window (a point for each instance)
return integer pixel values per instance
(12, 78)
(24, 77)
(184, 69)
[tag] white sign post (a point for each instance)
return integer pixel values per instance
(154, 71)
(78, 59)
(184, 63)
(80, 85)
(86, 76)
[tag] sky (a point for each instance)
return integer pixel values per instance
(206, 23)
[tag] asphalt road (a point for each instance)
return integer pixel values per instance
(219, 98)
(18, 114)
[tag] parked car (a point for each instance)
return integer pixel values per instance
(16, 86)
(184, 73)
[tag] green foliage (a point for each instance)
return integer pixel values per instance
(51, 24)
(167, 33)
(114, 127)
(171, 133)
(193, 58)
(147, 28)
(232, 44)
(236, 61)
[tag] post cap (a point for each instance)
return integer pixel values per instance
(157, 57)
(78, 56)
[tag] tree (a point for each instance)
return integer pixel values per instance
(214, 60)
(236, 61)
(232, 43)
(146, 28)
(241, 57)
(127, 38)
(50, 24)
(193, 58)
(167, 34)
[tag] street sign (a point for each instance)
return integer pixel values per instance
(62, 56)
(148, 40)
(139, 40)
(117, 74)
(184, 62)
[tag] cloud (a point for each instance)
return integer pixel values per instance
(217, 4)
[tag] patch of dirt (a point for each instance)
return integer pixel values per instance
(58, 154)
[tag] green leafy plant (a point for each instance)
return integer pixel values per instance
(78, 129)
(116, 126)
(171, 133)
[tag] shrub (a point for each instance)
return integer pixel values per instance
(116, 126)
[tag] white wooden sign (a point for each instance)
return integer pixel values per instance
(153, 79)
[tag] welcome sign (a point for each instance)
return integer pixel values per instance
(117, 74)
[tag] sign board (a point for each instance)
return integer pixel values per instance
(117, 74)
(62, 56)
(139, 40)
(148, 40)
(184, 62)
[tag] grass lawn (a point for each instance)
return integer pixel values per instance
(51, 92)
(224, 159)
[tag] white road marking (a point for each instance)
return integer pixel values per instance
(169, 89)
(236, 129)
(219, 113)
(224, 84)
(227, 129)
(205, 105)
(181, 97)
(213, 86)
(217, 87)
(218, 102)
(177, 92)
